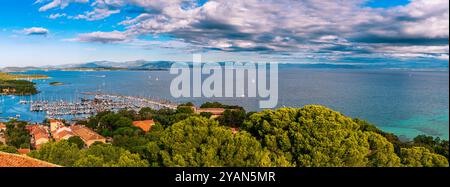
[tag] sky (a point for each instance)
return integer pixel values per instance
(53, 32)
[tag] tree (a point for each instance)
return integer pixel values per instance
(212, 105)
(206, 114)
(108, 123)
(232, 117)
(105, 155)
(198, 141)
(366, 126)
(219, 105)
(128, 131)
(382, 152)
(135, 144)
(151, 153)
(189, 104)
(435, 144)
(98, 155)
(168, 119)
(61, 153)
(17, 135)
(130, 114)
(77, 141)
(146, 113)
(7, 148)
(422, 157)
(185, 109)
(317, 136)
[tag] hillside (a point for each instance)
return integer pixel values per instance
(18, 84)
(312, 136)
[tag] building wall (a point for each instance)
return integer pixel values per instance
(41, 141)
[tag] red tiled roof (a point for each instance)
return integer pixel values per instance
(23, 151)
(2, 126)
(14, 160)
(39, 133)
(85, 133)
(54, 121)
(145, 125)
(62, 132)
(31, 127)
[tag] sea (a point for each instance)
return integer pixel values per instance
(405, 102)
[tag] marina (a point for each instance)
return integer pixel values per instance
(100, 102)
(410, 110)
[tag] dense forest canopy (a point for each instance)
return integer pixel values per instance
(17, 87)
(294, 137)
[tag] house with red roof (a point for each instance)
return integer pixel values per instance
(145, 125)
(87, 135)
(2, 127)
(23, 151)
(39, 135)
(62, 133)
(15, 160)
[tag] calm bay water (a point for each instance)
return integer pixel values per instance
(407, 103)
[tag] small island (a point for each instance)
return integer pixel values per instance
(18, 84)
(56, 83)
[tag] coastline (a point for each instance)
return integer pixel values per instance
(373, 109)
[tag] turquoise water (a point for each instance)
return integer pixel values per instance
(407, 103)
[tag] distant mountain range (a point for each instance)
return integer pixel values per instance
(129, 65)
(165, 65)
(132, 65)
(146, 65)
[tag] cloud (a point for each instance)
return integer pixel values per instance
(314, 29)
(35, 31)
(420, 22)
(102, 37)
(57, 15)
(57, 3)
(96, 14)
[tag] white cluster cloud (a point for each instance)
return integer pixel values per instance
(35, 31)
(290, 26)
(103, 37)
(57, 15)
(96, 14)
(50, 4)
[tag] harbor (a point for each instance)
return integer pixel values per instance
(94, 103)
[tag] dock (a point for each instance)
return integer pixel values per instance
(100, 102)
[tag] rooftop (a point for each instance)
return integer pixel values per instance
(85, 133)
(145, 125)
(39, 133)
(23, 151)
(14, 160)
(62, 132)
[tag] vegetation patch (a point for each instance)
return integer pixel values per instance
(312, 136)
(18, 84)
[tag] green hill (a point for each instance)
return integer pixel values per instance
(312, 136)
(17, 84)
